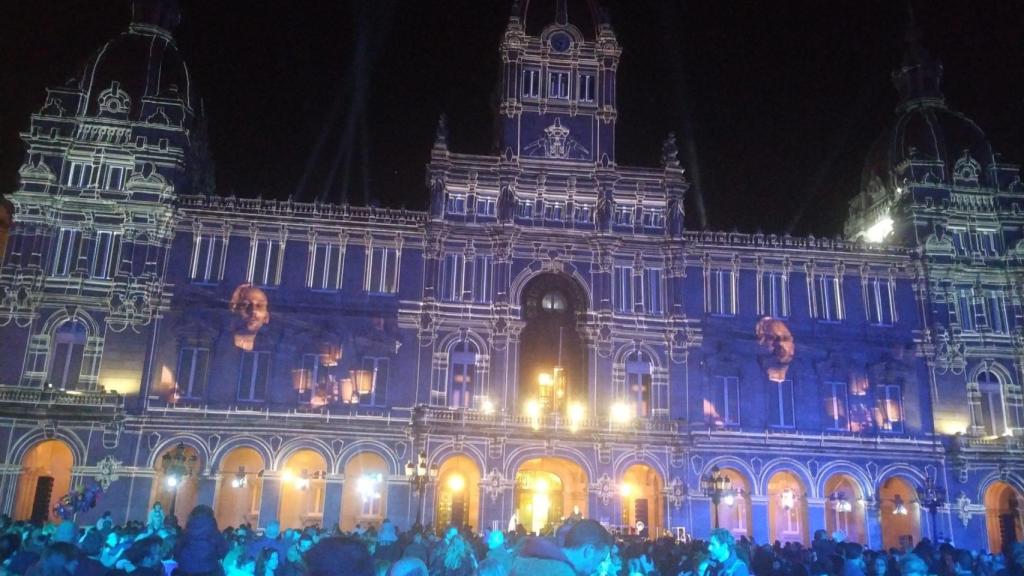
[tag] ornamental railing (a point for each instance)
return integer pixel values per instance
(548, 423)
(50, 398)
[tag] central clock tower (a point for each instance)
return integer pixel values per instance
(558, 85)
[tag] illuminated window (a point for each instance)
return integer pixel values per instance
(369, 488)
(81, 175)
(558, 85)
(310, 372)
(115, 178)
(327, 263)
(524, 209)
(652, 291)
(554, 211)
(828, 298)
(582, 214)
(838, 405)
(780, 404)
(890, 403)
(998, 317)
(653, 218)
(65, 253)
(881, 305)
(482, 279)
(265, 263)
(624, 215)
(462, 362)
(486, 206)
(253, 375)
(382, 270)
(990, 415)
(774, 295)
(380, 367)
(553, 301)
(106, 254)
(453, 275)
(721, 292)
(191, 374)
(638, 383)
(66, 352)
(531, 83)
(456, 204)
(726, 408)
(586, 88)
(966, 310)
(623, 292)
(207, 259)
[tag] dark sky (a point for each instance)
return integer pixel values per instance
(780, 100)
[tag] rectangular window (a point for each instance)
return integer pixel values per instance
(726, 409)
(524, 209)
(774, 295)
(624, 215)
(558, 85)
(382, 270)
(106, 254)
(81, 175)
(453, 276)
(582, 214)
(828, 298)
(780, 403)
(881, 308)
(456, 204)
(191, 374)
(115, 178)
(265, 263)
(379, 367)
(721, 292)
(65, 254)
(652, 291)
(369, 488)
(309, 377)
(253, 376)
(838, 406)
(531, 83)
(623, 288)
(486, 206)
(960, 242)
(999, 318)
(554, 211)
(482, 279)
(586, 88)
(653, 218)
(326, 267)
(207, 253)
(890, 404)
(965, 309)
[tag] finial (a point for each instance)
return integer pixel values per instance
(670, 152)
(561, 12)
(441, 138)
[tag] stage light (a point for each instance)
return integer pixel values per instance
(879, 230)
(620, 413)
(487, 407)
(576, 414)
(456, 483)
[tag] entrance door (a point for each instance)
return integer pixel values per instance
(41, 502)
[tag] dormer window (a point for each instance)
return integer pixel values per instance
(585, 88)
(531, 83)
(558, 85)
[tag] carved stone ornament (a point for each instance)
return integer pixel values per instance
(963, 509)
(106, 471)
(494, 484)
(967, 168)
(676, 492)
(605, 488)
(557, 143)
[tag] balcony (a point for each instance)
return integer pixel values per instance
(52, 398)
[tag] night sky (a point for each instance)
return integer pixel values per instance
(779, 100)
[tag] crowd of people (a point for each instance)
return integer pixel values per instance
(580, 547)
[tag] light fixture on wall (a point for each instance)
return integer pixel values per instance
(898, 507)
(239, 480)
(787, 499)
(839, 502)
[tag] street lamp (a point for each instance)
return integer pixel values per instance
(419, 476)
(932, 497)
(841, 505)
(717, 486)
(177, 467)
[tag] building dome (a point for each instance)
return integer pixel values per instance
(141, 63)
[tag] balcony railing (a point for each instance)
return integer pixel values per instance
(51, 397)
(548, 423)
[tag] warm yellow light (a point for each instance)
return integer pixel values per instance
(456, 483)
(287, 475)
(620, 413)
(125, 386)
(576, 414)
(879, 230)
(951, 426)
(544, 379)
(541, 486)
(487, 406)
(532, 409)
(625, 490)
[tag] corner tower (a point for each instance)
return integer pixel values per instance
(558, 83)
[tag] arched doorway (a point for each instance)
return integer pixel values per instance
(365, 493)
(552, 366)
(734, 509)
(302, 490)
(787, 508)
(844, 508)
(240, 488)
(45, 478)
(1003, 516)
(900, 514)
(643, 499)
(176, 485)
(458, 493)
(547, 490)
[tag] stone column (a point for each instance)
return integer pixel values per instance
(332, 500)
(873, 525)
(270, 503)
(703, 516)
(759, 518)
(816, 510)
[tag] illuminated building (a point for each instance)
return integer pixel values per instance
(546, 337)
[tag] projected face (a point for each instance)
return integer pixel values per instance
(776, 345)
(252, 312)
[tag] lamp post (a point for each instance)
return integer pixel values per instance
(841, 506)
(717, 486)
(419, 475)
(932, 497)
(177, 467)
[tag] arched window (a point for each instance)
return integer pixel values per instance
(462, 369)
(66, 352)
(638, 383)
(990, 415)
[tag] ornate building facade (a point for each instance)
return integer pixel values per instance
(545, 339)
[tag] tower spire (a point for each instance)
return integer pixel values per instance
(561, 12)
(919, 77)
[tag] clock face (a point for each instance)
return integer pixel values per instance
(560, 41)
